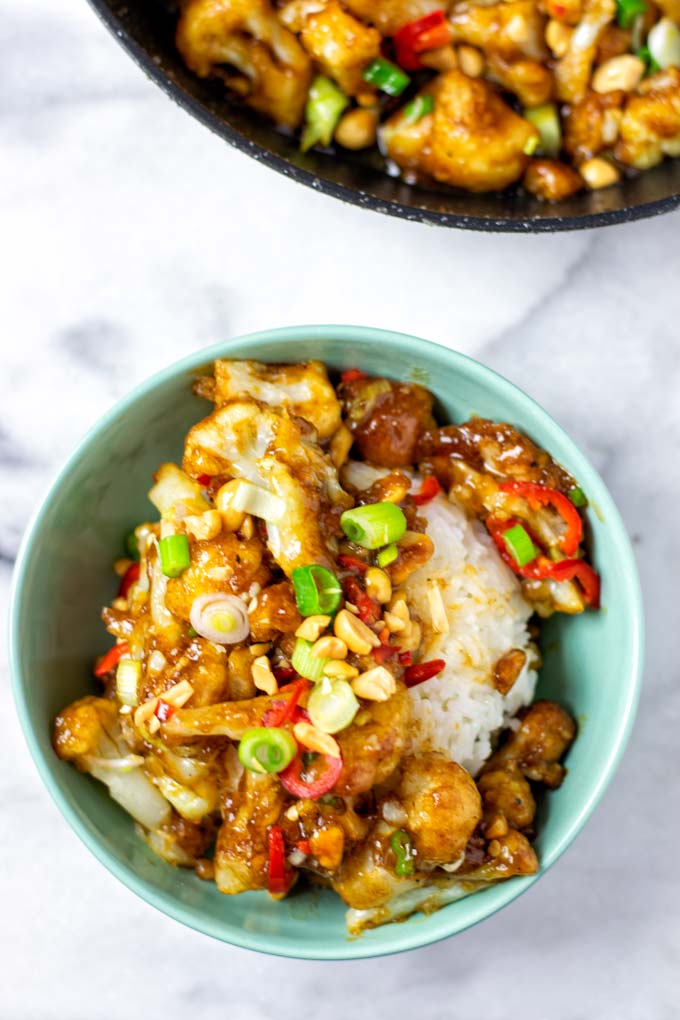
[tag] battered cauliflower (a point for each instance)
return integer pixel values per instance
(650, 127)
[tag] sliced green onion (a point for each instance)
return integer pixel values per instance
(530, 146)
(174, 553)
(664, 44)
(387, 77)
(418, 108)
(307, 665)
(387, 556)
(519, 545)
(402, 848)
(546, 120)
(644, 54)
(132, 545)
(332, 705)
(375, 525)
(578, 496)
(325, 103)
(267, 749)
(253, 499)
(628, 10)
(317, 590)
(128, 675)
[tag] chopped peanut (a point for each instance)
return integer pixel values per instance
(623, 73)
(204, 526)
(232, 519)
(598, 173)
(410, 638)
(357, 636)
(261, 648)
(263, 678)
(316, 740)
(375, 684)
(397, 617)
(378, 585)
(330, 647)
(470, 61)
(442, 59)
(558, 36)
(313, 627)
(340, 445)
(336, 668)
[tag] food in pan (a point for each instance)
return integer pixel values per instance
(555, 95)
(326, 648)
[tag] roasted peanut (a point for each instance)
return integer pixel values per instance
(356, 635)
(378, 585)
(330, 647)
(231, 519)
(336, 668)
(312, 627)
(316, 740)
(204, 526)
(263, 678)
(375, 684)
(598, 173)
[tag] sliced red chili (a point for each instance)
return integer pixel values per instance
(352, 374)
(579, 570)
(414, 675)
(428, 490)
(537, 569)
(204, 479)
(304, 846)
(282, 712)
(538, 495)
(426, 33)
(280, 878)
(368, 608)
(164, 710)
(406, 658)
(130, 577)
(292, 779)
(111, 659)
(352, 563)
(284, 674)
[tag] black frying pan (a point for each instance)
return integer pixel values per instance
(146, 29)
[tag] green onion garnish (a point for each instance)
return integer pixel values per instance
(628, 10)
(386, 76)
(546, 120)
(132, 545)
(325, 103)
(317, 590)
(530, 146)
(417, 108)
(332, 705)
(519, 545)
(402, 848)
(174, 553)
(267, 749)
(387, 556)
(307, 665)
(578, 496)
(128, 675)
(375, 525)
(644, 54)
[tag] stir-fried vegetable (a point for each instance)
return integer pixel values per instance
(128, 675)
(418, 674)
(538, 495)
(332, 705)
(317, 590)
(628, 10)
(546, 120)
(283, 711)
(426, 33)
(253, 499)
(267, 749)
(130, 577)
(663, 42)
(295, 782)
(417, 108)
(578, 496)
(111, 659)
(375, 525)
(387, 555)
(174, 553)
(325, 105)
(305, 662)
(386, 76)
(402, 848)
(429, 488)
(279, 877)
(519, 545)
(220, 618)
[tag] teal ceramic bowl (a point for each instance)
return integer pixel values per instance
(63, 577)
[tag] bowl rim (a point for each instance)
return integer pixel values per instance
(394, 938)
(491, 224)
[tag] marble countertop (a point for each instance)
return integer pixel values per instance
(132, 236)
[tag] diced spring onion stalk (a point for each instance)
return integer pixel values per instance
(387, 555)
(174, 554)
(644, 54)
(307, 665)
(332, 705)
(128, 675)
(317, 590)
(578, 496)
(375, 525)
(664, 43)
(628, 10)
(386, 76)
(519, 545)
(325, 104)
(530, 146)
(267, 749)
(402, 848)
(220, 618)
(132, 545)
(546, 120)
(418, 108)
(253, 499)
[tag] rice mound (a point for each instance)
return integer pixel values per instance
(459, 711)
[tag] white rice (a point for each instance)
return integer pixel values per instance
(460, 711)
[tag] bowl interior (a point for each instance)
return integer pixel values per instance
(147, 32)
(64, 577)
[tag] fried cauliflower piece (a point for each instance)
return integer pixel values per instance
(275, 71)
(241, 853)
(338, 43)
(593, 124)
(545, 735)
(551, 180)
(650, 127)
(303, 389)
(471, 140)
(530, 81)
(366, 879)
(374, 743)
(572, 71)
(386, 419)
(443, 806)
(225, 719)
(391, 15)
(508, 30)
(270, 449)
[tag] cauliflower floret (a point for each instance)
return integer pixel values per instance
(530, 81)
(572, 71)
(509, 30)
(241, 854)
(275, 71)
(443, 806)
(472, 139)
(593, 124)
(340, 45)
(650, 127)
(302, 389)
(391, 15)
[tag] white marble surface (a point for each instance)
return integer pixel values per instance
(132, 236)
